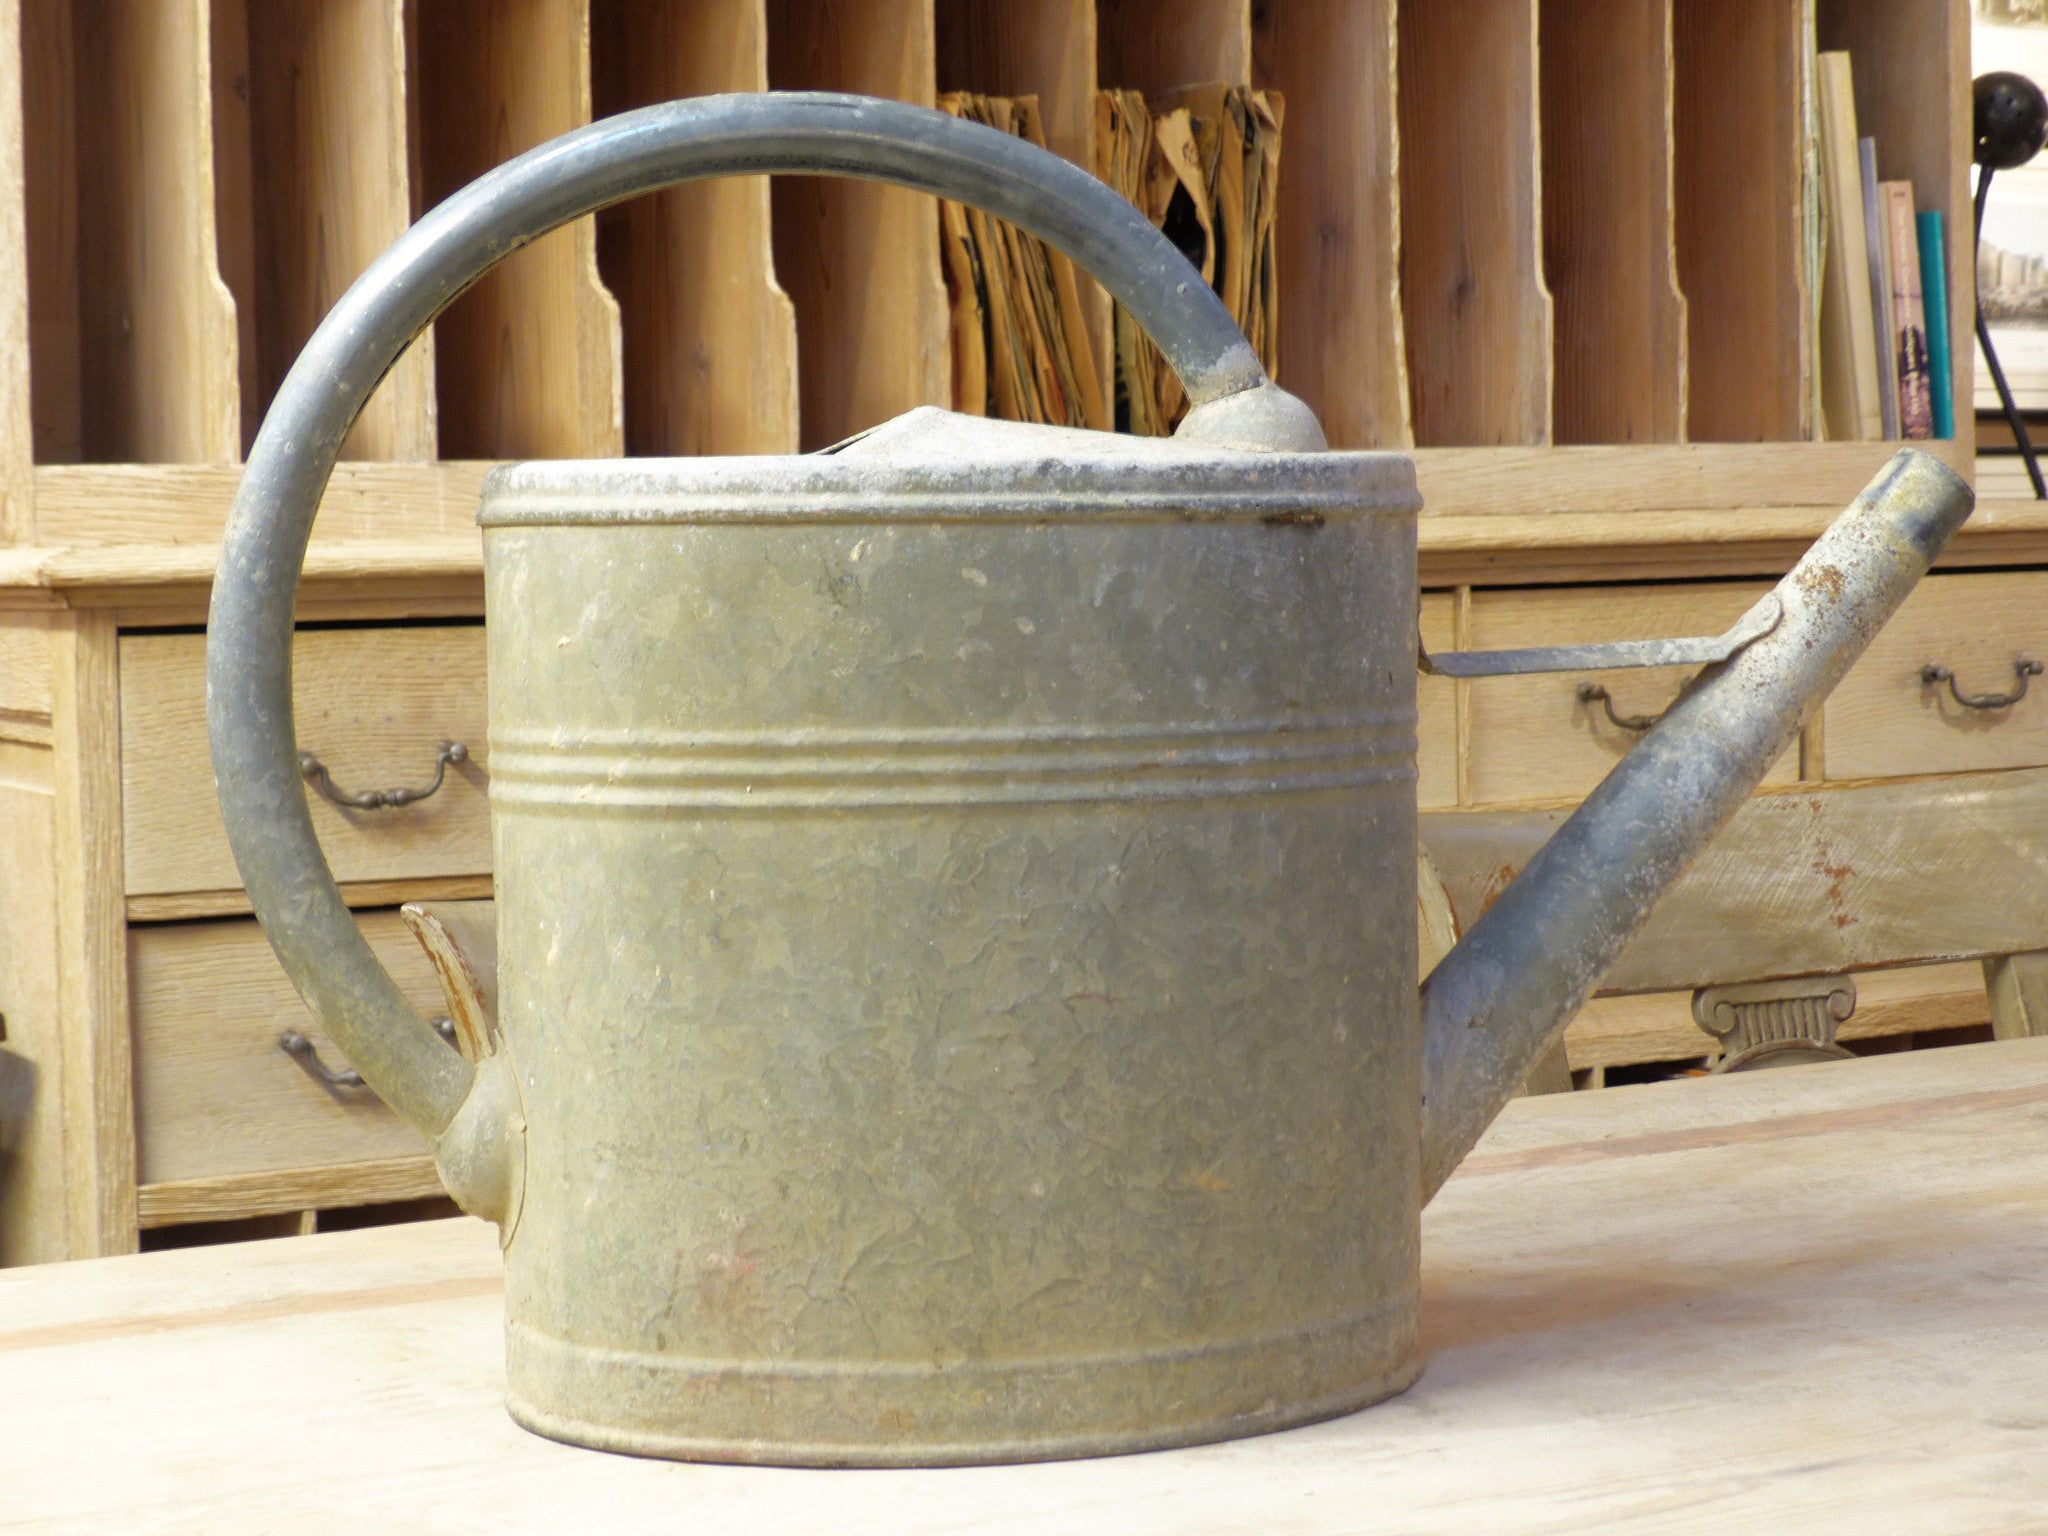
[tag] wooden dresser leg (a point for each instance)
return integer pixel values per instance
(2017, 988)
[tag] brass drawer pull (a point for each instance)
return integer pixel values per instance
(2022, 669)
(307, 1054)
(1595, 693)
(314, 772)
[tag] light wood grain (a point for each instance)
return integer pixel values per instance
(96, 1104)
(179, 906)
(156, 370)
(27, 668)
(1532, 739)
(1658, 1026)
(213, 1093)
(1802, 1298)
(2016, 987)
(1339, 232)
(1740, 133)
(372, 704)
(860, 260)
(1608, 244)
(17, 404)
(709, 335)
(527, 362)
(35, 1203)
(1436, 708)
(1804, 881)
(307, 202)
(1912, 73)
(1882, 720)
(1157, 46)
(1477, 316)
(234, 1196)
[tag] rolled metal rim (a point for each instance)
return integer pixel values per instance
(249, 633)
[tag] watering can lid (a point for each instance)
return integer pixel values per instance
(930, 464)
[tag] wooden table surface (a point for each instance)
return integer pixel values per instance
(1811, 1300)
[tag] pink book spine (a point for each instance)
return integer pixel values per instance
(1908, 329)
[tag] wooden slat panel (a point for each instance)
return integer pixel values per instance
(1436, 708)
(1740, 138)
(307, 202)
(527, 363)
(373, 704)
(133, 327)
(213, 1093)
(1608, 253)
(1339, 237)
(1882, 720)
(1806, 881)
(709, 335)
(17, 403)
(860, 260)
(1532, 739)
(1476, 314)
(1159, 45)
(230, 1196)
(35, 1217)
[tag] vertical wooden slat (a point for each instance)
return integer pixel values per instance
(1608, 257)
(709, 335)
(860, 260)
(307, 202)
(1739, 134)
(96, 1102)
(50, 193)
(527, 363)
(17, 409)
(1339, 235)
(157, 325)
(1159, 45)
(1476, 313)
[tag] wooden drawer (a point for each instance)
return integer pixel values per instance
(1882, 720)
(213, 1093)
(1436, 710)
(1532, 738)
(373, 704)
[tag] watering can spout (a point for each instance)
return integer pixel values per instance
(1504, 994)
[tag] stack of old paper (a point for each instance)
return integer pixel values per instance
(1020, 339)
(1203, 164)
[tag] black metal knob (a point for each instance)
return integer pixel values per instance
(2011, 120)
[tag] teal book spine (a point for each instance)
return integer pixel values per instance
(1934, 289)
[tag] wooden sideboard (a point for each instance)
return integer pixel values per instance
(1588, 328)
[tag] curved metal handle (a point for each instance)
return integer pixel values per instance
(249, 627)
(1594, 693)
(2022, 668)
(295, 1045)
(314, 772)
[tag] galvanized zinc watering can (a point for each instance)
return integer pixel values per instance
(957, 992)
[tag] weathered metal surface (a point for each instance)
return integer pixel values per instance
(958, 973)
(1699, 650)
(1507, 991)
(931, 943)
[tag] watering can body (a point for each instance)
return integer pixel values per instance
(957, 942)
(955, 904)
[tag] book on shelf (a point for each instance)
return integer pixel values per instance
(1203, 165)
(1934, 288)
(1850, 392)
(1906, 334)
(1877, 245)
(1021, 348)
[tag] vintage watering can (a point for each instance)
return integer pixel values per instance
(955, 893)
